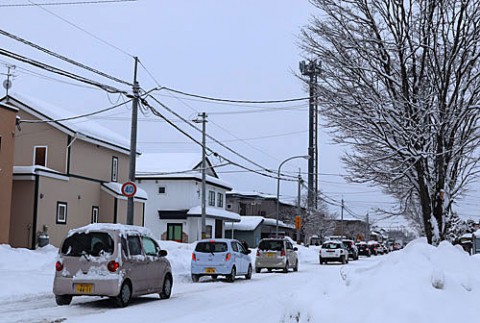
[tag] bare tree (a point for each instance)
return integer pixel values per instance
(400, 84)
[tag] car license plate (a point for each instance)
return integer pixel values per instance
(210, 270)
(271, 254)
(84, 288)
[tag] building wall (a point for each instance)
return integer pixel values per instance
(84, 155)
(22, 220)
(40, 134)
(7, 131)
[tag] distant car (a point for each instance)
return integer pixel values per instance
(119, 261)
(375, 248)
(352, 249)
(363, 249)
(333, 251)
(220, 257)
(276, 254)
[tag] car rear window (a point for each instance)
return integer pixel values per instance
(274, 245)
(331, 246)
(91, 243)
(211, 247)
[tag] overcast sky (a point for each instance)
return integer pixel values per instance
(243, 50)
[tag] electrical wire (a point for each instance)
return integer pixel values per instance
(61, 57)
(78, 116)
(232, 101)
(64, 3)
(59, 71)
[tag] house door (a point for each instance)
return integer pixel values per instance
(218, 229)
(174, 232)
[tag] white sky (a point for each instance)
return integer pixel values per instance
(243, 50)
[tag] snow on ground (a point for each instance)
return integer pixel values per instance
(420, 283)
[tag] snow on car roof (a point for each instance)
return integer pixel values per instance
(122, 228)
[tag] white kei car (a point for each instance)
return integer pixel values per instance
(333, 251)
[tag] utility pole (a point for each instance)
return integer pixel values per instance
(203, 121)
(367, 231)
(341, 224)
(133, 142)
(7, 84)
(299, 208)
(312, 69)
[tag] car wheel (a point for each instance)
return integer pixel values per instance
(285, 269)
(167, 288)
(249, 273)
(63, 299)
(195, 278)
(269, 270)
(214, 277)
(125, 295)
(231, 277)
(296, 266)
(258, 270)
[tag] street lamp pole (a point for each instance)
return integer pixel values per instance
(278, 188)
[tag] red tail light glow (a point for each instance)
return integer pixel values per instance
(258, 253)
(282, 253)
(194, 258)
(59, 266)
(228, 256)
(113, 266)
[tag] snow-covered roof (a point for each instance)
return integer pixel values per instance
(247, 223)
(477, 234)
(117, 189)
(84, 128)
(273, 222)
(174, 166)
(38, 170)
(213, 212)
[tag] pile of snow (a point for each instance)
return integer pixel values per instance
(420, 283)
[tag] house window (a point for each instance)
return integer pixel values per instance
(61, 213)
(211, 198)
(95, 212)
(114, 169)
(219, 199)
(40, 155)
(161, 190)
(208, 233)
(174, 231)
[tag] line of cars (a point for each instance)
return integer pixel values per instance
(124, 261)
(345, 249)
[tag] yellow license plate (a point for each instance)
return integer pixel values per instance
(84, 288)
(210, 270)
(271, 254)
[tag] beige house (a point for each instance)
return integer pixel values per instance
(57, 174)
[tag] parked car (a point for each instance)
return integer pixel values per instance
(363, 249)
(114, 260)
(273, 253)
(352, 249)
(220, 257)
(333, 251)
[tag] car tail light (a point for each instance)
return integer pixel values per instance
(258, 253)
(113, 266)
(282, 253)
(194, 258)
(228, 256)
(59, 266)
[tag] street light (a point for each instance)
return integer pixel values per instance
(278, 187)
(202, 118)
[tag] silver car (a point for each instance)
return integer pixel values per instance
(114, 260)
(275, 253)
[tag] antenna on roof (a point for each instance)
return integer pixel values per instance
(7, 84)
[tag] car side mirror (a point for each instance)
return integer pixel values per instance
(163, 253)
(295, 249)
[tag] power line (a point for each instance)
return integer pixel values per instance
(61, 57)
(78, 116)
(231, 100)
(84, 30)
(158, 114)
(59, 71)
(31, 4)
